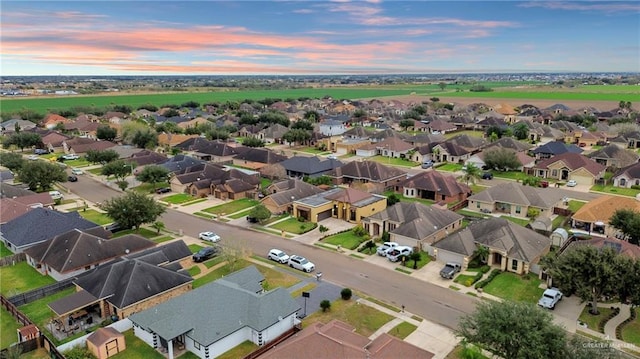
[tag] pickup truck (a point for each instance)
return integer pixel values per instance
(394, 254)
(385, 247)
(449, 270)
(550, 298)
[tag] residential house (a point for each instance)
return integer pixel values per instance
(394, 147)
(413, 224)
(330, 127)
(337, 339)
(273, 133)
(80, 145)
(492, 122)
(512, 248)
(434, 186)
(358, 133)
(256, 158)
(514, 199)
(309, 166)
(52, 120)
(53, 140)
(594, 216)
(134, 283)
(214, 151)
(173, 139)
(554, 148)
(582, 138)
(282, 194)
(10, 126)
(146, 157)
(180, 163)
(83, 127)
(621, 247)
(627, 176)
(439, 126)
(212, 319)
(510, 143)
(381, 177)
(458, 149)
(627, 140)
(211, 179)
(612, 156)
(348, 204)
(75, 252)
(39, 225)
(570, 166)
(14, 207)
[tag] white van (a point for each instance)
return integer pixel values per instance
(56, 195)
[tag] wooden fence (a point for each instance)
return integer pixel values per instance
(286, 335)
(458, 206)
(11, 260)
(30, 296)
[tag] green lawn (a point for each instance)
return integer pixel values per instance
(214, 261)
(241, 214)
(312, 150)
(39, 312)
(199, 200)
(514, 175)
(574, 206)
(477, 188)
(274, 278)
(194, 271)
(8, 327)
(96, 171)
(514, 287)
(232, 207)
(465, 279)
(150, 188)
(591, 320)
(4, 251)
(178, 198)
(403, 330)
(162, 239)
(427, 202)
(392, 161)
(468, 213)
(616, 190)
(364, 318)
(219, 273)
(239, 351)
(21, 278)
(558, 221)
(265, 182)
(449, 135)
(292, 225)
(521, 221)
(424, 260)
(347, 240)
(194, 248)
(136, 348)
(146, 233)
(95, 217)
(450, 167)
(631, 331)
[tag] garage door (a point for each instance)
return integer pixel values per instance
(324, 215)
(446, 256)
(582, 179)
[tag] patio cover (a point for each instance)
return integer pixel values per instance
(72, 303)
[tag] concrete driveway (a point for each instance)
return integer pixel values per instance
(567, 312)
(431, 273)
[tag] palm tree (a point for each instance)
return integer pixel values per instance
(482, 252)
(415, 257)
(471, 173)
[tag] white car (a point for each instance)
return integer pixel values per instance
(209, 236)
(332, 157)
(395, 253)
(384, 248)
(56, 195)
(572, 183)
(70, 156)
(278, 256)
(77, 171)
(301, 263)
(32, 157)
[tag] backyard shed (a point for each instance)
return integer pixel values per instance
(106, 342)
(559, 237)
(28, 332)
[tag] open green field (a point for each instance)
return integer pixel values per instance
(580, 93)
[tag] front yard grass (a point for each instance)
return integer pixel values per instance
(424, 260)
(364, 318)
(345, 239)
(96, 171)
(521, 221)
(194, 248)
(20, 278)
(292, 225)
(214, 261)
(574, 206)
(145, 232)
(514, 287)
(616, 190)
(465, 279)
(631, 330)
(194, 271)
(178, 198)
(219, 273)
(275, 278)
(39, 312)
(403, 330)
(95, 217)
(513, 175)
(450, 167)
(4, 251)
(241, 214)
(150, 188)
(393, 161)
(9, 327)
(136, 348)
(232, 207)
(591, 320)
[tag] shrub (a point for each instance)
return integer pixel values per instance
(359, 231)
(346, 293)
(385, 236)
(325, 305)
(79, 352)
(635, 186)
(483, 283)
(323, 229)
(301, 219)
(485, 269)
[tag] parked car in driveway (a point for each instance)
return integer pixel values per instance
(72, 178)
(209, 236)
(205, 253)
(278, 256)
(385, 247)
(163, 190)
(427, 164)
(572, 183)
(76, 171)
(450, 270)
(487, 176)
(394, 254)
(550, 298)
(40, 151)
(70, 156)
(301, 263)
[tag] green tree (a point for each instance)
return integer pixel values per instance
(415, 257)
(587, 271)
(79, 352)
(325, 304)
(153, 174)
(145, 139)
(11, 160)
(321, 180)
(501, 159)
(158, 226)
(481, 253)
(392, 199)
(514, 330)
(260, 212)
(346, 293)
(40, 175)
(406, 123)
(303, 125)
(106, 132)
(133, 209)
(312, 116)
(252, 142)
(628, 222)
(628, 270)
(442, 86)
(533, 212)
(520, 131)
(23, 140)
(296, 136)
(471, 173)
(494, 129)
(106, 156)
(360, 113)
(119, 169)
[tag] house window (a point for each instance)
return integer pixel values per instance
(637, 182)
(514, 264)
(477, 204)
(554, 173)
(196, 345)
(518, 209)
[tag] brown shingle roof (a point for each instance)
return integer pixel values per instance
(436, 181)
(602, 208)
(370, 170)
(573, 161)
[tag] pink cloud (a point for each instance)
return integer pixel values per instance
(607, 7)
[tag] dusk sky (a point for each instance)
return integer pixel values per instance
(316, 37)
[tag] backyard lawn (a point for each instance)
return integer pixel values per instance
(558, 221)
(292, 225)
(39, 312)
(514, 287)
(591, 320)
(393, 161)
(521, 221)
(239, 351)
(616, 190)
(477, 188)
(178, 198)
(364, 318)
(232, 207)
(145, 232)
(347, 240)
(136, 348)
(95, 217)
(403, 330)
(20, 278)
(265, 182)
(424, 201)
(574, 206)
(4, 251)
(458, 133)
(631, 331)
(8, 327)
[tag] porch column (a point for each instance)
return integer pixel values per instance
(503, 263)
(170, 348)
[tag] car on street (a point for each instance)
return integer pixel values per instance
(550, 297)
(487, 176)
(395, 253)
(385, 247)
(205, 253)
(163, 190)
(252, 219)
(72, 178)
(450, 270)
(209, 236)
(427, 164)
(572, 183)
(32, 157)
(40, 151)
(301, 263)
(56, 195)
(70, 156)
(278, 256)
(77, 171)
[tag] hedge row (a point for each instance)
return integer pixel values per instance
(631, 318)
(483, 283)
(603, 322)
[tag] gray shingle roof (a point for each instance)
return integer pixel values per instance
(310, 165)
(370, 170)
(515, 193)
(417, 220)
(211, 312)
